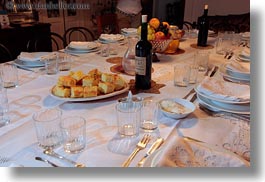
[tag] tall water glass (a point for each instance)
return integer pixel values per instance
(4, 118)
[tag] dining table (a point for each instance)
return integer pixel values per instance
(104, 146)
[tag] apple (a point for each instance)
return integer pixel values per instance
(159, 35)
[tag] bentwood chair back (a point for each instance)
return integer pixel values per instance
(78, 34)
(5, 54)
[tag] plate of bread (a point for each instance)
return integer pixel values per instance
(94, 85)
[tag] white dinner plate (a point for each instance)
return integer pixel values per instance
(220, 100)
(29, 64)
(89, 46)
(234, 78)
(153, 159)
(243, 58)
(80, 51)
(91, 98)
(235, 73)
(232, 108)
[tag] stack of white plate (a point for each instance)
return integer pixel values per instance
(31, 60)
(217, 104)
(82, 47)
(108, 38)
(230, 72)
(128, 31)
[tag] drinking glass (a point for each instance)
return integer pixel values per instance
(47, 125)
(181, 75)
(4, 118)
(9, 75)
(74, 134)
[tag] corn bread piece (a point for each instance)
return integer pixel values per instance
(90, 81)
(61, 91)
(95, 73)
(105, 77)
(106, 87)
(118, 82)
(66, 81)
(78, 75)
(91, 91)
(77, 92)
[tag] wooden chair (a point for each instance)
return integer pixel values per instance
(78, 34)
(108, 24)
(5, 54)
(36, 45)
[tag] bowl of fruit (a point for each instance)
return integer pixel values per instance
(163, 37)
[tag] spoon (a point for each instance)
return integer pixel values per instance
(47, 161)
(50, 152)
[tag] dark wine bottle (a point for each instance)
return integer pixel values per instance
(143, 59)
(203, 26)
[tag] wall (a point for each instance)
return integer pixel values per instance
(194, 8)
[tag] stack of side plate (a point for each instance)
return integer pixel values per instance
(217, 104)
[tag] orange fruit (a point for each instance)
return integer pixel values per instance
(154, 22)
(172, 47)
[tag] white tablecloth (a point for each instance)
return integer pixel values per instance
(104, 148)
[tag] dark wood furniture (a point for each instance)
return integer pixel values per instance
(17, 39)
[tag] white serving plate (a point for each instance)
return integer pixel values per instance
(153, 159)
(232, 108)
(187, 104)
(91, 98)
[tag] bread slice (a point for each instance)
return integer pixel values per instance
(106, 77)
(91, 91)
(90, 81)
(77, 92)
(61, 91)
(106, 87)
(95, 73)
(78, 75)
(118, 82)
(66, 81)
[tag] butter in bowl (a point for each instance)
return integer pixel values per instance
(176, 108)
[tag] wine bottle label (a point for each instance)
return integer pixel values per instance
(140, 65)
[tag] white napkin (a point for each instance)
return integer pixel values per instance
(220, 89)
(179, 152)
(111, 37)
(34, 56)
(83, 45)
(129, 30)
(237, 66)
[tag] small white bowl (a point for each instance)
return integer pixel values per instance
(176, 108)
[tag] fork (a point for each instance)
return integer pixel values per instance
(140, 146)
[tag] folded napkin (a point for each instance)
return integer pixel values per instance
(129, 30)
(223, 90)
(34, 56)
(179, 152)
(83, 45)
(111, 37)
(237, 66)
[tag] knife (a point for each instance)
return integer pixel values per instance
(214, 71)
(153, 148)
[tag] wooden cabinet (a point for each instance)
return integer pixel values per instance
(16, 39)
